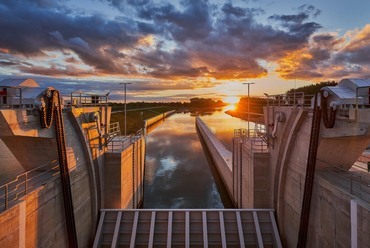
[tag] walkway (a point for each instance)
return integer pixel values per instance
(187, 228)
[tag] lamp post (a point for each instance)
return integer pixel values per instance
(125, 84)
(248, 105)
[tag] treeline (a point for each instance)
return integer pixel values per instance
(312, 88)
(256, 103)
(194, 103)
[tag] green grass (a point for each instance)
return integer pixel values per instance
(134, 119)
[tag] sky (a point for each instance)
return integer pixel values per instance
(178, 49)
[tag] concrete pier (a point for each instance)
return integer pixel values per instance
(222, 157)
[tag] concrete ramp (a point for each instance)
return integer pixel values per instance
(187, 228)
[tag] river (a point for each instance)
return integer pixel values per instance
(178, 172)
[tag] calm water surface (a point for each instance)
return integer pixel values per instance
(178, 173)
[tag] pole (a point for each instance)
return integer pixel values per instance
(248, 106)
(125, 84)
(125, 110)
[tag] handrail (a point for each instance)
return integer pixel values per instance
(296, 99)
(357, 184)
(252, 138)
(25, 183)
(87, 100)
(7, 96)
(120, 143)
(114, 128)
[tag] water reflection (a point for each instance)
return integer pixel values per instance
(224, 125)
(177, 173)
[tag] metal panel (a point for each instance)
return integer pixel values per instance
(258, 230)
(134, 227)
(152, 225)
(240, 229)
(169, 230)
(187, 231)
(205, 232)
(116, 230)
(98, 230)
(186, 227)
(222, 228)
(275, 230)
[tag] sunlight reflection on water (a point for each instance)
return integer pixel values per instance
(177, 174)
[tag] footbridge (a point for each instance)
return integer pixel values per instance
(187, 228)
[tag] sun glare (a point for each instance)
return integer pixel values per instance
(231, 99)
(231, 107)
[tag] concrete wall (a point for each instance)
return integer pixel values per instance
(251, 175)
(38, 221)
(40, 215)
(330, 221)
(22, 122)
(221, 157)
(151, 121)
(124, 176)
(10, 166)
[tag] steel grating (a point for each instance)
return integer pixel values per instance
(187, 228)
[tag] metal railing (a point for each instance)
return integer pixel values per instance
(120, 143)
(6, 99)
(297, 99)
(87, 100)
(356, 183)
(12, 192)
(114, 128)
(252, 139)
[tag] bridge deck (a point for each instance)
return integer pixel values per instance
(187, 228)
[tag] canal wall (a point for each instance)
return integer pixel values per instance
(221, 157)
(340, 199)
(124, 176)
(149, 122)
(36, 218)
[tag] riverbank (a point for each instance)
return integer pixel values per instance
(135, 117)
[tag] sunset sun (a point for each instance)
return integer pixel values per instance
(231, 99)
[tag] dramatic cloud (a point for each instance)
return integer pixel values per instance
(181, 40)
(329, 56)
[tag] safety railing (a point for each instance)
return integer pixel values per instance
(87, 100)
(355, 183)
(9, 99)
(252, 139)
(12, 192)
(297, 99)
(114, 128)
(120, 143)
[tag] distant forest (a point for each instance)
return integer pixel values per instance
(194, 103)
(312, 88)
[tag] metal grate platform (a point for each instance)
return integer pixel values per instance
(187, 228)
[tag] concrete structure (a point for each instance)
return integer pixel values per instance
(274, 174)
(243, 170)
(155, 119)
(31, 206)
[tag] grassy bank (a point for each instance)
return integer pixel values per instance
(135, 117)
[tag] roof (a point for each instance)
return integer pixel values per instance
(342, 92)
(354, 83)
(19, 82)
